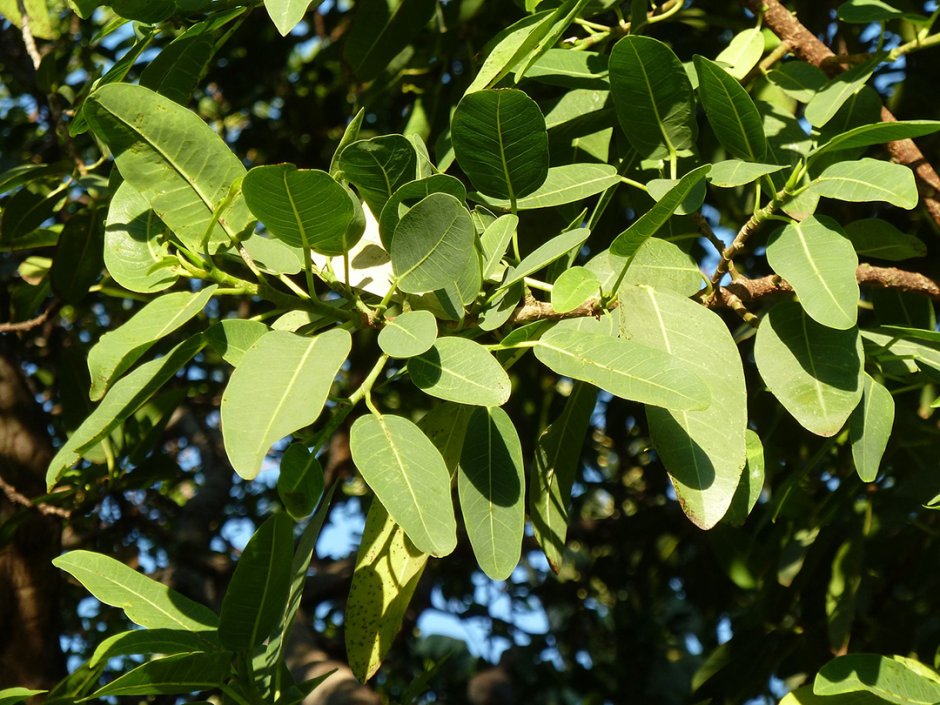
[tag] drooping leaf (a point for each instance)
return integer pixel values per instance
(279, 387)
(752, 481)
(509, 47)
(381, 30)
(897, 344)
(305, 208)
(118, 349)
(564, 184)
(830, 97)
(887, 678)
(573, 287)
(408, 334)
(460, 370)
(500, 141)
(411, 193)
(173, 675)
(150, 641)
(814, 371)
(12, 696)
(178, 163)
(545, 254)
(730, 111)
(378, 167)
(300, 482)
(819, 261)
(742, 53)
(491, 487)
(287, 14)
(734, 172)
(79, 256)
(652, 95)
(703, 450)
(409, 478)
(868, 180)
(873, 237)
(870, 428)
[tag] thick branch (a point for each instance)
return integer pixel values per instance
(533, 310)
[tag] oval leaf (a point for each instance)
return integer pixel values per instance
(868, 180)
(460, 370)
(730, 111)
(564, 184)
(408, 334)
(575, 286)
(378, 167)
(873, 237)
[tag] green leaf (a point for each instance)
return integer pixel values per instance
(79, 256)
(173, 675)
(570, 69)
(865, 11)
(232, 337)
(500, 141)
(557, 456)
(870, 428)
(38, 12)
(652, 96)
(545, 254)
(828, 99)
(381, 30)
(558, 23)
(145, 601)
(805, 696)
(495, 241)
(703, 450)
(819, 261)
(751, 484)
(280, 386)
(893, 343)
(798, 79)
(408, 334)
(814, 371)
(575, 286)
(658, 263)
(730, 111)
(135, 249)
(409, 478)
(378, 167)
(886, 678)
(350, 135)
(287, 14)
(460, 370)
(149, 641)
(411, 193)
(257, 594)
(125, 397)
(842, 592)
(117, 350)
(509, 47)
(734, 172)
(305, 208)
(873, 237)
(491, 487)
(878, 133)
(564, 184)
(657, 188)
(178, 163)
(11, 696)
(431, 243)
(868, 180)
(271, 255)
(629, 241)
(623, 368)
(300, 482)
(742, 53)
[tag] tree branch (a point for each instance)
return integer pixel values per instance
(28, 38)
(22, 326)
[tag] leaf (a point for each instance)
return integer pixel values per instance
(623, 368)
(408, 334)
(178, 68)
(491, 487)
(173, 675)
(495, 241)
(125, 397)
(305, 208)
(257, 594)
(149, 641)
(559, 21)
(865, 11)
(878, 133)
(145, 601)
(273, 256)
(154, 144)
(730, 111)
(742, 53)
(300, 482)
(868, 180)
(658, 263)
(842, 592)
(11, 696)
(570, 69)
(545, 254)
(232, 337)
(828, 99)
(819, 261)
(798, 79)
(652, 96)
(381, 30)
(886, 678)
(287, 14)
(870, 428)
(38, 13)
(460, 370)
(556, 464)
(573, 287)
(411, 193)
(350, 135)
(657, 188)
(409, 478)
(751, 484)
(564, 184)
(280, 386)
(703, 450)
(629, 241)
(378, 167)
(892, 343)
(509, 47)
(79, 256)
(804, 696)
(734, 172)
(814, 371)
(500, 141)
(873, 237)
(117, 350)
(431, 243)
(135, 250)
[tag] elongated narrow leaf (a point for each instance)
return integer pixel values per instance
(734, 172)
(814, 371)
(124, 398)
(409, 334)
(77, 264)
(495, 241)
(868, 180)
(730, 111)
(878, 133)
(832, 96)
(887, 678)
(256, 596)
(545, 254)
(509, 47)
(556, 463)
(300, 482)
(460, 370)
(652, 95)
(280, 386)
(305, 208)
(752, 481)
(378, 167)
(819, 261)
(409, 478)
(501, 143)
(870, 428)
(145, 601)
(873, 237)
(491, 487)
(173, 675)
(564, 184)
(151, 641)
(176, 161)
(892, 344)
(624, 368)
(798, 79)
(703, 450)
(119, 349)
(11, 696)
(381, 30)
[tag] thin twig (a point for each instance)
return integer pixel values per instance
(22, 326)
(17, 498)
(27, 32)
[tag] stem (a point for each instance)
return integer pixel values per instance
(673, 164)
(634, 184)
(515, 234)
(308, 273)
(536, 284)
(364, 391)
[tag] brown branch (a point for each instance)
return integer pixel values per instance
(16, 497)
(533, 310)
(806, 46)
(28, 39)
(22, 326)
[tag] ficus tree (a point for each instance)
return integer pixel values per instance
(626, 307)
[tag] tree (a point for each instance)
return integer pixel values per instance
(623, 311)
